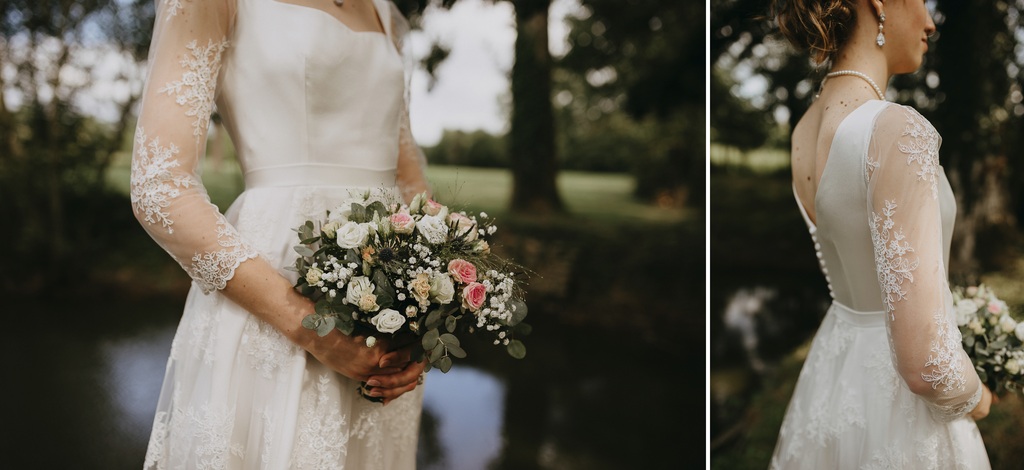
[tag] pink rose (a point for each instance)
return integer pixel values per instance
(464, 226)
(403, 223)
(432, 207)
(462, 271)
(473, 296)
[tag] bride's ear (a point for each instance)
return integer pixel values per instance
(877, 6)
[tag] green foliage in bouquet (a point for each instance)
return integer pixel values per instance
(992, 338)
(411, 272)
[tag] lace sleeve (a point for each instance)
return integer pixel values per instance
(190, 38)
(411, 160)
(906, 231)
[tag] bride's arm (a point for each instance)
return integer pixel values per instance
(189, 41)
(906, 231)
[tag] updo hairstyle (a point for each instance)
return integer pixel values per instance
(818, 26)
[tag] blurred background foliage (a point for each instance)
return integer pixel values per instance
(766, 304)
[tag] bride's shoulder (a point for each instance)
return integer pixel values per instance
(900, 122)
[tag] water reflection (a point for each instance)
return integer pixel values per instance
(584, 398)
(468, 404)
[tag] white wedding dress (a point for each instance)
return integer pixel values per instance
(317, 113)
(886, 383)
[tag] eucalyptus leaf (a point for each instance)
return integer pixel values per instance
(445, 364)
(456, 351)
(516, 349)
(304, 250)
(323, 307)
(309, 225)
(969, 341)
(380, 279)
(450, 323)
(325, 326)
(346, 328)
(519, 311)
(523, 329)
(437, 352)
(358, 213)
(430, 339)
(310, 241)
(378, 207)
(311, 321)
(449, 339)
(433, 319)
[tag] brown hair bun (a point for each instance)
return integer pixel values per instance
(819, 26)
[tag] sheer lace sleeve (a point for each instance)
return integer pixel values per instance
(189, 41)
(411, 160)
(906, 231)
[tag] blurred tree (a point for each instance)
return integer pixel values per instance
(55, 155)
(531, 137)
(644, 57)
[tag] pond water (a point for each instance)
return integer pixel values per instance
(82, 389)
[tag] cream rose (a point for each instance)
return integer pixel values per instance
(473, 296)
(462, 271)
(352, 235)
(481, 246)
(388, 321)
(441, 288)
(368, 303)
(420, 288)
(411, 311)
(1019, 331)
(975, 326)
(1012, 366)
(313, 276)
(464, 226)
(433, 229)
(402, 223)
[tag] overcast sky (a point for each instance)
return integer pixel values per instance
(473, 82)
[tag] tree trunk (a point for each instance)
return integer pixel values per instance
(532, 133)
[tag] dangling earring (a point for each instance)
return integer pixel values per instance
(339, 2)
(880, 39)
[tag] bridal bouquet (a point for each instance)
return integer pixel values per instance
(419, 271)
(991, 337)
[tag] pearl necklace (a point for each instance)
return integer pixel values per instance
(878, 91)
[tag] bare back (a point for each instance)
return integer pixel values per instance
(812, 137)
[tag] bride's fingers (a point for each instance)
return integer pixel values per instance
(399, 392)
(405, 377)
(398, 357)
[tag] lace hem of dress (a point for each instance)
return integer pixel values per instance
(947, 413)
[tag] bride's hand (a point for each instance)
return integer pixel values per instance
(391, 386)
(349, 356)
(987, 399)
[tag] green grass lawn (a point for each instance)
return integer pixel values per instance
(597, 197)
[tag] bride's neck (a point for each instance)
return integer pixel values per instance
(865, 60)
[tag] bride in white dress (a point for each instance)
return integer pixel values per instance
(313, 96)
(886, 383)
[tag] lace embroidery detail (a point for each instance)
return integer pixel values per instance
(951, 412)
(945, 357)
(213, 270)
(886, 459)
(322, 439)
(890, 257)
(154, 182)
(922, 148)
(172, 8)
(198, 83)
(155, 449)
(267, 348)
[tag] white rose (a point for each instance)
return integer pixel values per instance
(352, 235)
(358, 287)
(965, 311)
(433, 229)
(340, 214)
(330, 229)
(1007, 323)
(1012, 366)
(442, 288)
(313, 276)
(388, 321)
(1019, 331)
